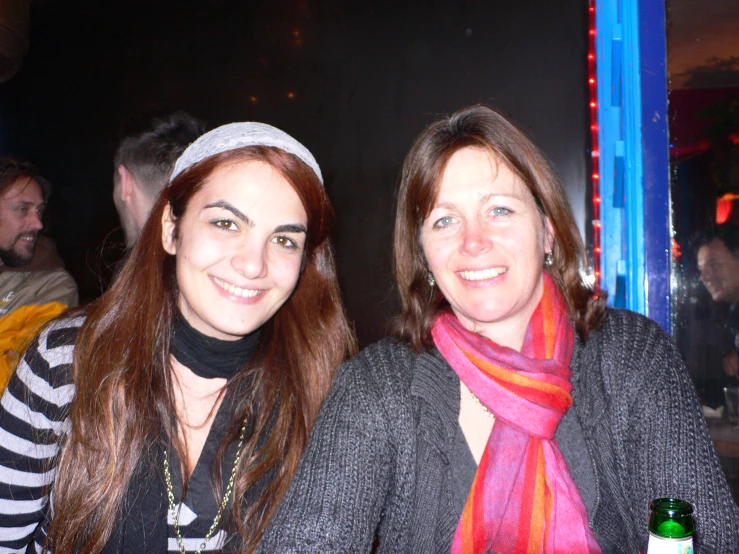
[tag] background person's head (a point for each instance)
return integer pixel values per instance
(23, 193)
(511, 156)
(718, 261)
(143, 163)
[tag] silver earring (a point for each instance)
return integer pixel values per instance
(548, 259)
(430, 279)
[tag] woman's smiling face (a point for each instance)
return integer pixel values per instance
(239, 249)
(484, 241)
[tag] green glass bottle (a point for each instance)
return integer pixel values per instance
(671, 527)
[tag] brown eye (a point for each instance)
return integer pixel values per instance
(285, 242)
(225, 224)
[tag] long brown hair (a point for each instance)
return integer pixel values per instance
(481, 127)
(124, 399)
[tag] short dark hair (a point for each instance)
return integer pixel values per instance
(13, 168)
(728, 233)
(150, 147)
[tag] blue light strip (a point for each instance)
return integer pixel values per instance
(620, 164)
(655, 143)
(608, 74)
(633, 162)
(634, 171)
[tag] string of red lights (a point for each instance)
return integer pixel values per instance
(595, 152)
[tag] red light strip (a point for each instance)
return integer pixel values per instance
(595, 152)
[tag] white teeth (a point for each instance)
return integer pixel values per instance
(236, 291)
(482, 274)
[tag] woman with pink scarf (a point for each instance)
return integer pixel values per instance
(512, 412)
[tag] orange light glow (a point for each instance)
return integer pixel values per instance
(725, 205)
(676, 252)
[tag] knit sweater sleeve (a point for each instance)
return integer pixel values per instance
(340, 492)
(33, 419)
(665, 446)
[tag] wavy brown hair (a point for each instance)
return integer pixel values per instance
(481, 127)
(124, 399)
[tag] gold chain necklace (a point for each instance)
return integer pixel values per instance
(484, 408)
(221, 508)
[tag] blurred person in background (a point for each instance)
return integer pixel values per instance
(718, 262)
(143, 163)
(34, 287)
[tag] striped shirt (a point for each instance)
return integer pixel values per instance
(34, 418)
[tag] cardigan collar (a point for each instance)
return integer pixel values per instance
(587, 374)
(437, 386)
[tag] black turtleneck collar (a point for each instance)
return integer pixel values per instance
(209, 357)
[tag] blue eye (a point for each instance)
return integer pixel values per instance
(500, 211)
(444, 221)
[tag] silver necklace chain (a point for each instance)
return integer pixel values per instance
(483, 406)
(221, 508)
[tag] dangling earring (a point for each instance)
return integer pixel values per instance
(548, 259)
(430, 279)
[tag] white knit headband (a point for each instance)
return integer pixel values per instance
(237, 135)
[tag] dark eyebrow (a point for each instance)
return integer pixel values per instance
(227, 206)
(27, 204)
(291, 229)
(30, 203)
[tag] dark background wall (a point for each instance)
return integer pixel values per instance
(355, 81)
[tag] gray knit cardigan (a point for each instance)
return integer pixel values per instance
(376, 473)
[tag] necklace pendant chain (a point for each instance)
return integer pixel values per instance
(483, 406)
(221, 508)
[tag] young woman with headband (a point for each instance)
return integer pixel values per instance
(171, 413)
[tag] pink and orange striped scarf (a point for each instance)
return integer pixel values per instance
(523, 499)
